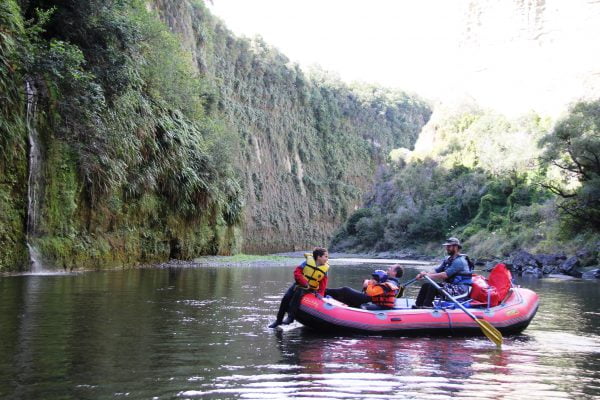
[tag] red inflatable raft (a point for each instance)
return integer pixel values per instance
(511, 316)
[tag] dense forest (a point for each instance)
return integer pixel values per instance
(159, 134)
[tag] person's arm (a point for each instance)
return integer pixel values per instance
(299, 276)
(432, 275)
(440, 267)
(322, 286)
(437, 274)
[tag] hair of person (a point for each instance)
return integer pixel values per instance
(318, 252)
(399, 271)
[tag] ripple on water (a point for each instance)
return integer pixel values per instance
(197, 303)
(330, 385)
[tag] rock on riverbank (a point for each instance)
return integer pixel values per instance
(585, 264)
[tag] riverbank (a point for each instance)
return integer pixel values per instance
(521, 263)
(286, 259)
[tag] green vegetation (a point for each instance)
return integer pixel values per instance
(13, 150)
(134, 169)
(477, 175)
(153, 150)
(248, 259)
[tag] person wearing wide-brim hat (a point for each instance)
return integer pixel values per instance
(454, 271)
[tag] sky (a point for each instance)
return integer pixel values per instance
(507, 58)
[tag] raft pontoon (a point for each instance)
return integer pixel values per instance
(511, 316)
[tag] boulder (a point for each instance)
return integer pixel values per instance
(489, 265)
(592, 274)
(482, 262)
(532, 271)
(569, 267)
(551, 260)
(539, 265)
(549, 269)
(588, 257)
(522, 262)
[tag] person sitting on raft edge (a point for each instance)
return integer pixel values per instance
(310, 276)
(455, 270)
(382, 290)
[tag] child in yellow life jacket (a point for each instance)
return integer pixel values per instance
(311, 275)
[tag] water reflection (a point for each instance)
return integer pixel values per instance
(313, 366)
(201, 333)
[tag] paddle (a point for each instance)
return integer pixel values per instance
(404, 285)
(488, 330)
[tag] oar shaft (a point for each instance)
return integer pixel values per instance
(409, 282)
(403, 286)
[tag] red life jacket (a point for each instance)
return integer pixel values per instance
(383, 294)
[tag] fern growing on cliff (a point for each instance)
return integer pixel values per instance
(11, 75)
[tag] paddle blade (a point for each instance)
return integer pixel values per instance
(400, 292)
(492, 333)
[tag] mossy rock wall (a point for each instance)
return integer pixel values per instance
(13, 201)
(13, 143)
(129, 177)
(116, 232)
(308, 145)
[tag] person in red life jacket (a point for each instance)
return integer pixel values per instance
(454, 270)
(310, 276)
(383, 285)
(382, 290)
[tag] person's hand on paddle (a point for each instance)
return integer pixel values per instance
(422, 275)
(432, 275)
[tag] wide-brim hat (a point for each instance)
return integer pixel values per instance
(452, 242)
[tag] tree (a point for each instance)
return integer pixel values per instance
(573, 147)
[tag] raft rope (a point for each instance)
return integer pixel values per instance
(449, 320)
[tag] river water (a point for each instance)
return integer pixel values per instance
(202, 332)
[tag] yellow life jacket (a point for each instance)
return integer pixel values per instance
(312, 272)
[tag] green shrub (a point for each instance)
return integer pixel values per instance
(471, 183)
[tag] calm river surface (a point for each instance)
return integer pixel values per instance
(202, 333)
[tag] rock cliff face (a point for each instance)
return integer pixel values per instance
(307, 148)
